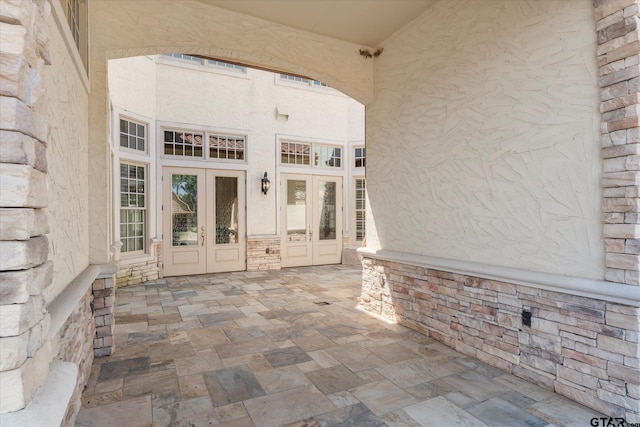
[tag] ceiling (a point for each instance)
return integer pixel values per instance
(364, 22)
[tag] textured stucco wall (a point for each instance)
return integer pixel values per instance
(131, 28)
(135, 85)
(483, 137)
(67, 158)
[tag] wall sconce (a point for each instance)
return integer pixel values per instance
(265, 184)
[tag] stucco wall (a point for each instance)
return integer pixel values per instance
(67, 159)
(483, 137)
(135, 91)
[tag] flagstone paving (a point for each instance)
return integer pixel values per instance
(257, 349)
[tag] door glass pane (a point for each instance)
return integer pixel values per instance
(297, 211)
(226, 210)
(184, 210)
(327, 199)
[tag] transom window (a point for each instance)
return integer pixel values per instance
(206, 62)
(360, 157)
(303, 80)
(132, 135)
(226, 147)
(132, 207)
(327, 156)
(360, 209)
(186, 144)
(203, 145)
(295, 153)
(299, 153)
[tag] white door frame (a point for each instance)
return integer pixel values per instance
(207, 255)
(306, 247)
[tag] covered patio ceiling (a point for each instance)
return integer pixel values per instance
(364, 22)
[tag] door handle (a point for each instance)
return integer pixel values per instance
(310, 233)
(202, 234)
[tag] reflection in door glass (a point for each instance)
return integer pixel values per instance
(184, 210)
(327, 195)
(226, 210)
(297, 210)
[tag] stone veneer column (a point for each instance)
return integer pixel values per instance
(104, 301)
(263, 254)
(619, 61)
(24, 248)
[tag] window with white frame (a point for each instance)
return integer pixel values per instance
(226, 147)
(206, 62)
(295, 153)
(360, 196)
(132, 135)
(302, 80)
(327, 156)
(226, 65)
(299, 153)
(76, 13)
(133, 207)
(360, 157)
(201, 145)
(183, 144)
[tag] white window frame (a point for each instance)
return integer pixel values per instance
(330, 147)
(312, 155)
(139, 158)
(203, 64)
(296, 155)
(356, 209)
(144, 209)
(289, 78)
(126, 148)
(206, 154)
(195, 133)
(235, 150)
(356, 157)
(304, 83)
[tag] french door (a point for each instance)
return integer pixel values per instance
(311, 220)
(203, 221)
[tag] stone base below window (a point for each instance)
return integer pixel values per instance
(263, 254)
(583, 348)
(131, 273)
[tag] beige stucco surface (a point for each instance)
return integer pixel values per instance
(122, 28)
(483, 139)
(67, 160)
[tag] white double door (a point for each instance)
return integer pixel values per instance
(203, 225)
(311, 232)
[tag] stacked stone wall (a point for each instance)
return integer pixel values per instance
(263, 254)
(583, 348)
(24, 248)
(618, 30)
(76, 346)
(104, 300)
(131, 273)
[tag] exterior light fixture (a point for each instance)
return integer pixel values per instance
(265, 184)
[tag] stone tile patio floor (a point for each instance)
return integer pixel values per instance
(256, 349)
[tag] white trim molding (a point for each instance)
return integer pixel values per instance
(596, 289)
